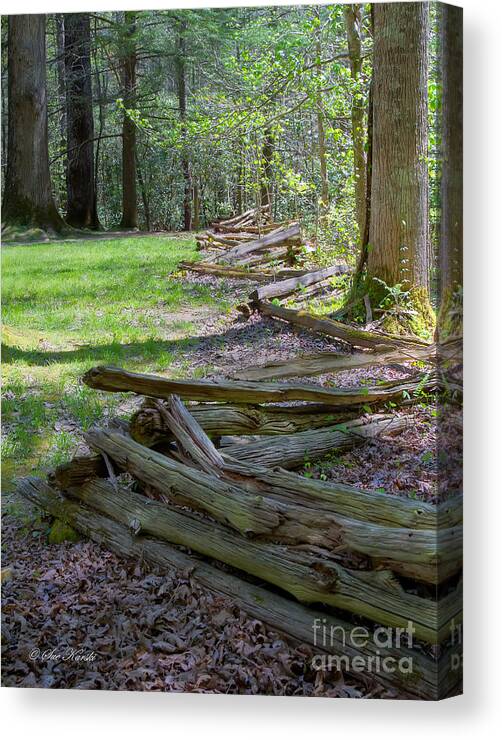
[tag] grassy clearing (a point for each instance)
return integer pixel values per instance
(70, 305)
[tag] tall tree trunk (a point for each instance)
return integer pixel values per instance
(399, 191)
(101, 118)
(129, 198)
(61, 80)
(80, 181)
(239, 184)
(196, 205)
(451, 135)
(182, 102)
(266, 170)
(321, 135)
(352, 14)
(28, 197)
(144, 196)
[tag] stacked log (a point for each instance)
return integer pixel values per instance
(250, 247)
(387, 560)
(240, 228)
(428, 678)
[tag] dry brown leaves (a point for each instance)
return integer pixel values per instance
(77, 616)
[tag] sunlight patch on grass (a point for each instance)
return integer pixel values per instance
(70, 305)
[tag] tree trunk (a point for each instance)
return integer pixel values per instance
(266, 174)
(239, 200)
(182, 103)
(321, 136)
(28, 200)
(80, 180)
(399, 191)
(451, 135)
(100, 91)
(196, 205)
(129, 199)
(61, 80)
(352, 14)
(144, 196)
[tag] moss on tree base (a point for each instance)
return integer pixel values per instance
(413, 315)
(450, 321)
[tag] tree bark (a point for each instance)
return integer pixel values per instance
(61, 80)
(266, 171)
(129, 61)
(452, 145)
(182, 103)
(28, 200)
(352, 15)
(144, 196)
(196, 205)
(321, 135)
(399, 191)
(80, 179)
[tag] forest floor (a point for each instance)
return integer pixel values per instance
(120, 301)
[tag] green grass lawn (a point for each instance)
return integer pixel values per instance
(70, 305)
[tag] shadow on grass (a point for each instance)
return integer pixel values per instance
(115, 351)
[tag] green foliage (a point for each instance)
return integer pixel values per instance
(250, 72)
(70, 305)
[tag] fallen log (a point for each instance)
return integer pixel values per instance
(349, 334)
(245, 507)
(275, 255)
(376, 595)
(288, 450)
(293, 450)
(437, 557)
(335, 498)
(237, 230)
(250, 215)
(320, 291)
(146, 425)
(147, 428)
(274, 238)
(328, 362)
(236, 273)
(423, 677)
(226, 241)
(114, 379)
(431, 557)
(207, 268)
(287, 287)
